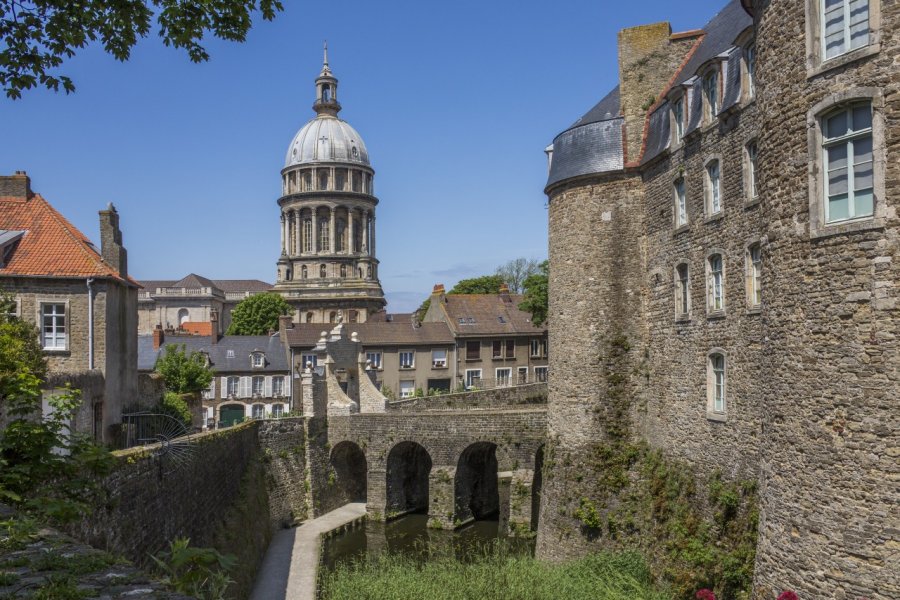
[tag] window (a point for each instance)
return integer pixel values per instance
(354, 316)
(340, 179)
(258, 411)
(845, 26)
(340, 230)
(538, 348)
(504, 377)
(303, 272)
(715, 385)
(53, 327)
(277, 387)
(678, 118)
(682, 291)
(343, 270)
(510, 349)
(711, 94)
(244, 389)
(229, 354)
(322, 271)
(323, 179)
(521, 375)
(716, 283)
(439, 359)
(355, 180)
(407, 359)
(374, 359)
(210, 392)
(540, 374)
(497, 349)
(407, 388)
(713, 188)
(681, 215)
(750, 65)
(473, 351)
(232, 386)
(307, 235)
(259, 386)
(848, 164)
(307, 181)
(473, 379)
(259, 360)
(309, 317)
(308, 360)
(332, 317)
(277, 411)
(754, 270)
(750, 181)
(324, 236)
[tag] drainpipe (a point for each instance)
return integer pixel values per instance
(291, 382)
(90, 289)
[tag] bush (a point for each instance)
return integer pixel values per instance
(174, 405)
(198, 572)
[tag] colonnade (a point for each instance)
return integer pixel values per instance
(327, 229)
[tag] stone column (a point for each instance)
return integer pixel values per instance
(376, 493)
(372, 235)
(365, 232)
(295, 232)
(351, 230)
(284, 237)
(315, 230)
(332, 234)
(441, 509)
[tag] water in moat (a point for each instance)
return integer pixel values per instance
(409, 536)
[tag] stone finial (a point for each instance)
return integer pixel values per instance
(354, 337)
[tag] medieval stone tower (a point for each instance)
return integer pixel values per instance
(327, 266)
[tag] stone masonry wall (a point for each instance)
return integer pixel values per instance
(284, 445)
(529, 394)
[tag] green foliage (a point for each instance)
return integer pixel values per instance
(387, 392)
(198, 572)
(588, 515)
(536, 299)
(423, 308)
(486, 284)
(61, 587)
(37, 36)
(496, 575)
(518, 270)
(258, 314)
(173, 404)
(183, 373)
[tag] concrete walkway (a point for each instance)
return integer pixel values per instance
(288, 571)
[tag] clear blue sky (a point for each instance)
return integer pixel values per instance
(455, 101)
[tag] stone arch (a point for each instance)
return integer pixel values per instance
(408, 469)
(350, 469)
(476, 492)
(184, 315)
(537, 483)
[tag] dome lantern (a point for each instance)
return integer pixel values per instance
(326, 90)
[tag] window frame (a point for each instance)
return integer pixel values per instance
(254, 392)
(232, 386)
(304, 362)
(468, 379)
(412, 362)
(435, 361)
(521, 375)
(711, 309)
(715, 412)
(545, 369)
(278, 380)
(470, 358)
(751, 172)
(682, 291)
(816, 63)
(66, 325)
(708, 187)
(711, 109)
(497, 349)
(507, 378)
(748, 62)
(677, 120)
(257, 360)
(818, 226)
(412, 388)
(679, 193)
(374, 364)
(753, 273)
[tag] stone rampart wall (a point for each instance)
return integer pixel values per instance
(530, 394)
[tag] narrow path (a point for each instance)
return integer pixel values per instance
(288, 571)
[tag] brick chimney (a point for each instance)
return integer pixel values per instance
(16, 186)
(285, 322)
(158, 337)
(213, 327)
(111, 248)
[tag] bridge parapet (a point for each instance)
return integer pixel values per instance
(518, 396)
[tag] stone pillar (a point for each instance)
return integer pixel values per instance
(520, 501)
(504, 483)
(315, 230)
(332, 233)
(350, 231)
(284, 236)
(365, 233)
(376, 493)
(441, 508)
(372, 241)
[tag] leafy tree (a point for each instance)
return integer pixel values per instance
(34, 475)
(486, 284)
(258, 314)
(37, 36)
(174, 405)
(183, 373)
(516, 271)
(536, 300)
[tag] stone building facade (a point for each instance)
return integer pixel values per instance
(327, 264)
(193, 303)
(746, 274)
(82, 301)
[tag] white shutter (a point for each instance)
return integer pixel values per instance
(245, 387)
(268, 387)
(224, 386)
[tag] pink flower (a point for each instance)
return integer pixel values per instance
(705, 594)
(788, 595)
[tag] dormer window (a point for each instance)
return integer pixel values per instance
(750, 66)
(229, 354)
(711, 94)
(258, 360)
(678, 118)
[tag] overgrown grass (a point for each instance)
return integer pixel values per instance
(494, 576)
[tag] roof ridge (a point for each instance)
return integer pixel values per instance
(81, 242)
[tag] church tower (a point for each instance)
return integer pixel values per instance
(327, 266)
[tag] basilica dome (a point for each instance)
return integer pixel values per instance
(327, 139)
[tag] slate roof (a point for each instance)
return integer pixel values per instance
(593, 144)
(241, 345)
(487, 314)
(371, 334)
(51, 245)
(192, 280)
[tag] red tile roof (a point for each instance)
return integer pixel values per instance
(51, 246)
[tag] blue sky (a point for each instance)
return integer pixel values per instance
(455, 101)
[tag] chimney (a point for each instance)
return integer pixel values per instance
(16, 186)
(111, 248)
(649, 55)
(438, 289)
(285, 322)
(504, 292)
(213, 327)
(158, 337)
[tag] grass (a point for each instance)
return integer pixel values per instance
(495, 575)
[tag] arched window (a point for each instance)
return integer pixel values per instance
(682, 292)
(340, 179)
(355, 180)
(309, 317)
(754, 272)
(326, 93)
(343, 270)
(369, 271)
(307, 181)
(354, 316)
(340, 230)
(307, 235)
(183, 316)
(303, 272)
(324, 235)
(715, 282)
(681, 214)
(713, 188)
(322, 271)
(332, 317)
(716, 385)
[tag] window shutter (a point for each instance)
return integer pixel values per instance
(224, 382)
(245, 387)
(268, 387)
